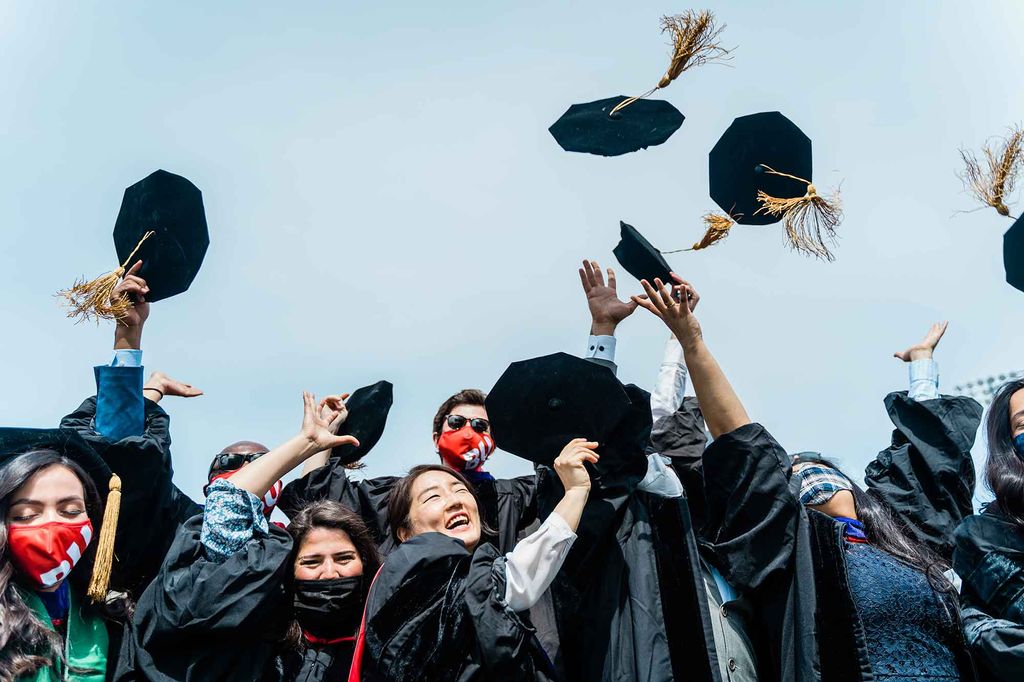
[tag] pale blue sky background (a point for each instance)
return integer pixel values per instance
(385, 201)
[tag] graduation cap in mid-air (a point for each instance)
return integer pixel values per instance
(368, 409)
(991, 181)
(161, 222)
(639, 257)
(620, 125)
(69, 443)
(760, 172)
(537, 406)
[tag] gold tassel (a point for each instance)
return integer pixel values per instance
(694, 43)
(718, 227)
(810, 220)
(93, 299)
(100, 581)
(991, 185)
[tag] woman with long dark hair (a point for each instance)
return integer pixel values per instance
(50, 629)
(989, 555)
(446, 606)
(243, 599)
(836, 589)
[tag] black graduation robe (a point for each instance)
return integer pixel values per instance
(438, 612)
(989, 558)
(203, 620)
(507, 505)
(152, 507)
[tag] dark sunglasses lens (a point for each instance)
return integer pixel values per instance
(479, 425)
(253, 457)
(456, 421)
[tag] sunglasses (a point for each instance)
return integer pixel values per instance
(232, 461)
(457, 421)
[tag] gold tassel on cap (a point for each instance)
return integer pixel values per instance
(100, 581)
(694, 43)
(991, 184)
(93, 299)
(718, 227)
(810, 220)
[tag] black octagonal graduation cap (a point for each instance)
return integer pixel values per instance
(368, 409)
(769, 139)
(172, 207)
(68, 442)
(539, 405)
(1013, 254)
(591, 128)
(639, 257)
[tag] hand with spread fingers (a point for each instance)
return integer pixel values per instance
(667, 304)
(335, 404)
(320, 428)
(926, 347)
(606, 309)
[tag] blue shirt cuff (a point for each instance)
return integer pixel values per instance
(924, 379)
(120, 407)
(127, 357)
(601, 347)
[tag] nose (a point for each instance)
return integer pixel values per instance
(329, 570)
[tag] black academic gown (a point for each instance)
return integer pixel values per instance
(203, 620)
(152, 507)
(438, 612)
(507, 505)
(989, 558)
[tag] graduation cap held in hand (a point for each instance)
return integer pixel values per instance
(620, 125)
(368, 409)
(760, 173)
(162, 222)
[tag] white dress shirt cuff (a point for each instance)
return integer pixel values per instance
(601, 347)
(924, 379)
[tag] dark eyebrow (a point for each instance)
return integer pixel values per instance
(1019, 414)
(24, 500)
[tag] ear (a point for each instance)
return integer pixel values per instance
(403, 534)
(437, 437)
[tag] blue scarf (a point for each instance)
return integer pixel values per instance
(477, 476)
(853, 530)
(57, 602)
(1018, 443)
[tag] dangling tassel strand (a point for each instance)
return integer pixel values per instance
(100, 581)
(991, 184)
(718, 227)
(810, 220)
(694, 43)
(92, 299)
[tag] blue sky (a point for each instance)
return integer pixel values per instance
(385, 201)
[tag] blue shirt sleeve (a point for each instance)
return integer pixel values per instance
(924, 380)
(120, 406)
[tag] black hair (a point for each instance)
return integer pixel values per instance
(1004, 468)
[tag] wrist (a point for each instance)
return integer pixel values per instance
(920, 354)
(603, 328)
(578, 493)
(127, 338)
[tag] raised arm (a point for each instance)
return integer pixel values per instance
(329, 404)
(720, 405)
(924, 373)
(606, 312)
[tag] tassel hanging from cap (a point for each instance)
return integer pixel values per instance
(694, 43)
(99, 584)
(810, 220)
(992, 183)
(94, 299)
(718, 227)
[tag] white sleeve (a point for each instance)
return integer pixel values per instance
(601, 347)
(533, 564)
(660, 480)
(924, 379)
(668, 391)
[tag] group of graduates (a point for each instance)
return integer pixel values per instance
(660, 537)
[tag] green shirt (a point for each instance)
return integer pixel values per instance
(85, 645)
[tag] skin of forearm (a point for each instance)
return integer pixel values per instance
(259, 475)
(602, 328)
(723, 412)
(315, 462)
(127, 338)
(570, 508)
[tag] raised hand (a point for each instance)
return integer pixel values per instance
(317, 426)
(569, 464)
(606, 310)
(135, 288)
(926, 347)
(335, 404)
(666, 304)
(162, 385)
(692, 299)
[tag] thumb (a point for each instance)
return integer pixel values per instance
(337, 441)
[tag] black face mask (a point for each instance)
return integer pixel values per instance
(330, 608)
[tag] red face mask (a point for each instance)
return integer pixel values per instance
(269, 500)
(465, 449)
(46, 553)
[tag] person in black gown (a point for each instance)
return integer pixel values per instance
(802, 568)
(238, 598)
(989, 554)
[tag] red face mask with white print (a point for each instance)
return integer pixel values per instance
(465, 449)
(269, 500)
(46, 553)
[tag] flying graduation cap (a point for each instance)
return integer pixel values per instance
(368, 409)
(991, 181)
(161, 222)
(620, 125)
(537, 406)
(639, 257)
(760, 172)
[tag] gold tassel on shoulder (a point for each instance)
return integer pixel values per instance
(991, 184)
(810, 220)
(93, 299)
(694, 43)
(104, 562)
